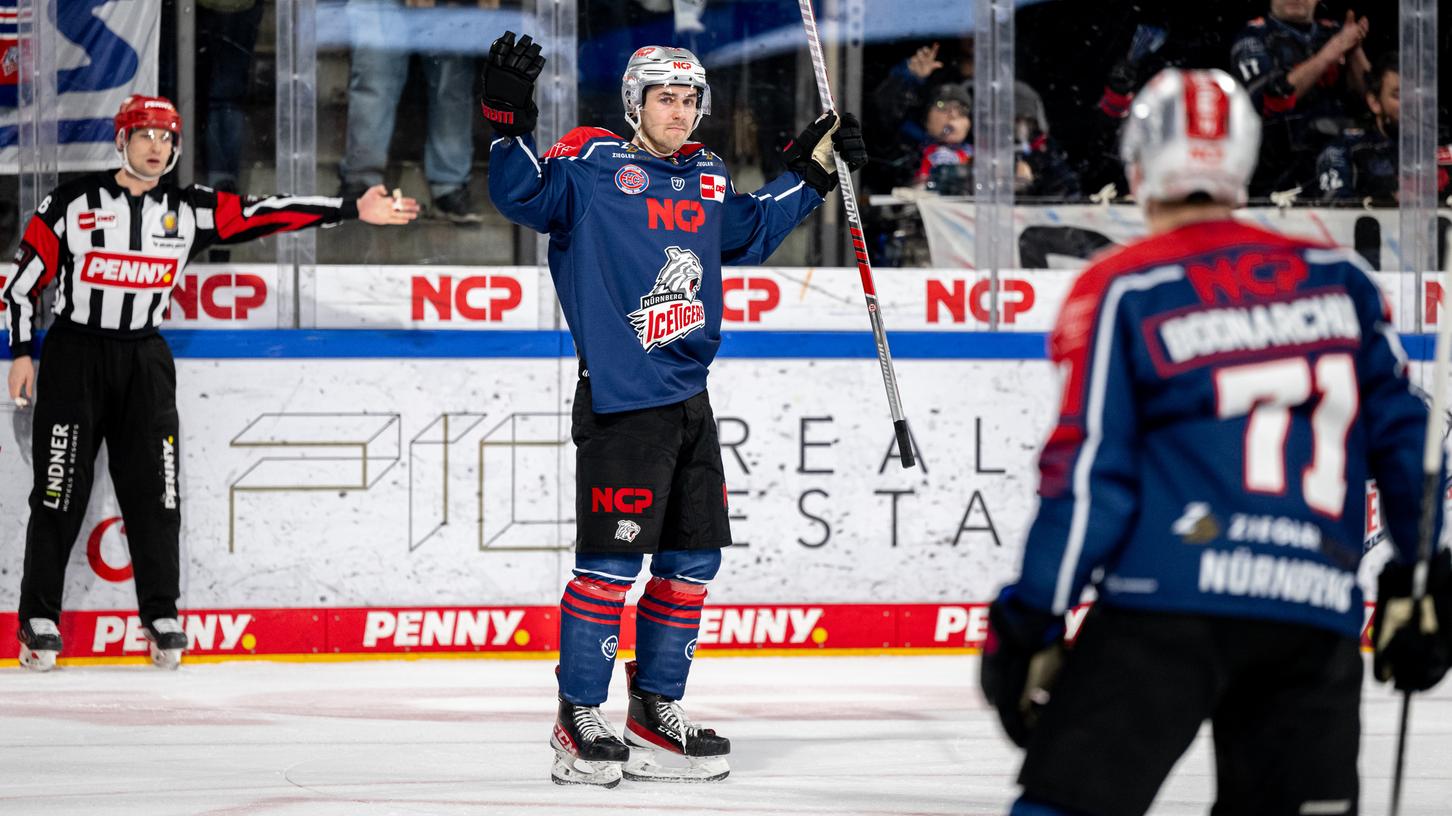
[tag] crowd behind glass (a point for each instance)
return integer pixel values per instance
(397, 91)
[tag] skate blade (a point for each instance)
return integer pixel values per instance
(169, 659)
(41, 661)
(571, 770)
(652, 765)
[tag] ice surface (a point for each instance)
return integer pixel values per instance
(902, 735)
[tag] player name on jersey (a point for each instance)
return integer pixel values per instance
(1300, 322)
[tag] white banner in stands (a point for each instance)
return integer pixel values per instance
(105, 50)
(1064, 236)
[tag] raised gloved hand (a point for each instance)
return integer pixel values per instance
(810, 154)
(509, 76)
(1022, 656)
(1413, 647)
(1123, 77)
(849, 144)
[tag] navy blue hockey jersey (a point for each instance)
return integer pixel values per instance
(1227, 392)
(636, 247)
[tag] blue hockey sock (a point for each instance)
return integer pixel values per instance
(589, 636)
(669, 617)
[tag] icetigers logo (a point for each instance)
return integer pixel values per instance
(670, 310)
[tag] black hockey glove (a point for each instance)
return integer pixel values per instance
(1022, 656)
(509, 76)
(1413, 650)
(810, 154)
(849, 144)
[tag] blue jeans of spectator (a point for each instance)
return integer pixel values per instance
(227, 41)
(375, 84)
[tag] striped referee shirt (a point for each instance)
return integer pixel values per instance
(116, 255)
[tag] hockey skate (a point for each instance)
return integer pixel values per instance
(167, 641)
(40, 644)
(587, 752)
(667, 747)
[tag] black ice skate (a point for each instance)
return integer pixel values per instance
(667, 747)
(40, 643)
(167, 641)
(587, 752)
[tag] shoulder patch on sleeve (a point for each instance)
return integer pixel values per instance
(571, 143)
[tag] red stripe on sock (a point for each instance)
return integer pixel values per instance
(641, 613)
(661, 608)
(599, 590)
(586, 606)
(587, 618)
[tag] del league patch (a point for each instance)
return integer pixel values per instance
(713, 188)
(631, 180)
(96, 219)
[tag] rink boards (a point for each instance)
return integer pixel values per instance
(403, 488)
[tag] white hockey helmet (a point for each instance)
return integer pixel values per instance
(662, 65)
(1191, 131)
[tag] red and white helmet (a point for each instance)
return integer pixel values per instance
(662, 65)
(1191, 132)
(148, 112)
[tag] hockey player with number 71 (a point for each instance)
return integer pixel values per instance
(1227, 393)
(639, 228)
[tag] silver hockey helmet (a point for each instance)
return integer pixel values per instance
(1191, 132)
(662, 65)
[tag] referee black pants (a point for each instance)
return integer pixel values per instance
(121, 391)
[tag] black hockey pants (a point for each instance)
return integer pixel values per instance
(123, 392)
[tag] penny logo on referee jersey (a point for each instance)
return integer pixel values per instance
(631, 180)
(128, 271)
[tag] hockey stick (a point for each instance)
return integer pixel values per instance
(1431, 494)
(859, 244)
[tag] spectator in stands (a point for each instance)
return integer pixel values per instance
(945, 159)
(901, 99)
(1362, 163)
(375, 83)
(226, 38)
(1307, 78)
(1042, 169)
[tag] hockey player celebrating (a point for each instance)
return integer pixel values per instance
(1227, 392)
(117, 243)
(639, 229)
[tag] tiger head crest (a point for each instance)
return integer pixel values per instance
(670, 310)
